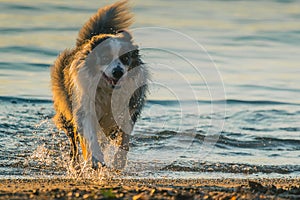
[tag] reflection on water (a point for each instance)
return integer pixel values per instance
(255, 53)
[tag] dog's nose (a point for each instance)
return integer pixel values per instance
(117, 72)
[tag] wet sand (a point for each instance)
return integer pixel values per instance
(150, 189)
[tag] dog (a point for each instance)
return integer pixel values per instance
(99, 87)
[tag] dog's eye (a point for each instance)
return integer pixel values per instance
(125, 59)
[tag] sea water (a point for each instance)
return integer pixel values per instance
(224, 94)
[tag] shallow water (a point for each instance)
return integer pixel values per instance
(190, 127)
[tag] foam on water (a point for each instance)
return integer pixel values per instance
(32, 146)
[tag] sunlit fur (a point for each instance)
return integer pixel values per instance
(82, 97)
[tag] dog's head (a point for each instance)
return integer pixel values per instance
(114, 56)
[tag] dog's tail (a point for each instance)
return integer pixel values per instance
(108, 20)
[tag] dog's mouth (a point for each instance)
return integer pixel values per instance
(112, 81)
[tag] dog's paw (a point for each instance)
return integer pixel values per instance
(96, 164)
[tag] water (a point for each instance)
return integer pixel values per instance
(190, 127)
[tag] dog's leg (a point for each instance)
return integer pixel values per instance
(84, 148)
(87, 128)
(120, 158)
(85, 115)
(74, 149)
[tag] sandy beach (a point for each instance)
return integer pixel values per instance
(150, 189)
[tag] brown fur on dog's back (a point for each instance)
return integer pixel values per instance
(61, 89)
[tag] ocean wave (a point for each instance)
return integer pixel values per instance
(256, 87)
(226, 101)
(45, 7)
(28, 49)
(270, 36)
(193, 166)
(18, 30)
(15, 100)
(10, 6)
(262, 143)
(23, 66)
(226, 140)
(158, 102)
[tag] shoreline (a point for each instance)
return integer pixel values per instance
(145, 188)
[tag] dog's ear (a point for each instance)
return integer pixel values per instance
(124, 34)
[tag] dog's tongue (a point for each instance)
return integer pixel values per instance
(110, 80)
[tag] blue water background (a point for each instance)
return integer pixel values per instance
(246, 53)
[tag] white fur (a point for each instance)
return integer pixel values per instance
(84, 109)
(115, 50)
(86, 112)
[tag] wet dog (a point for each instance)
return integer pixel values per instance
(99, 86)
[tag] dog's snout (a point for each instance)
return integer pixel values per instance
(117, 72)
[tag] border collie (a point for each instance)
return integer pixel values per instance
(99, 87)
